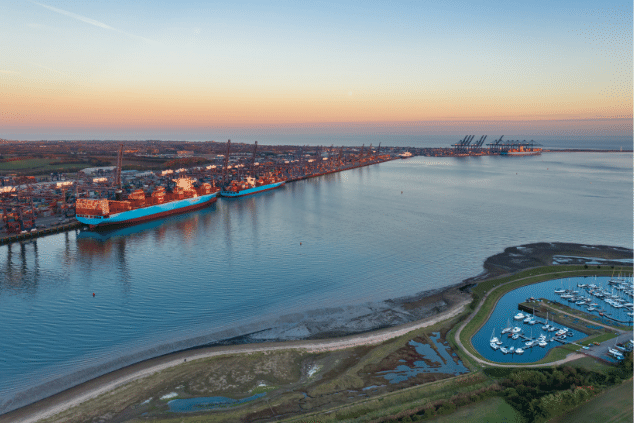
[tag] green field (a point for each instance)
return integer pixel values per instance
(493, 410)
(40, 165)
(591, 364)
(615, 405)
(25, 164)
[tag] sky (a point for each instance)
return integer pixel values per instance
(191, 69)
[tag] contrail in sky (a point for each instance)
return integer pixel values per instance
(89, 21)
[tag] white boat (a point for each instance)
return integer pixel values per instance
(516, 330)
(494, 346)
(545, 326)
(529, 343)
(542, 343)
(511, 349)
(527, 319)
(519, 315)
(614, 352)
(494, 339)
(560, 291)
(519, 350)
(508, 327)
(515, 336)
(504, 350)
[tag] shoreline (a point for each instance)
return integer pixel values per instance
(76, 395)
(418, 311)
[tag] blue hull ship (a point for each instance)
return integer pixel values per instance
(252, 190)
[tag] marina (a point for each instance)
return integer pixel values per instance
(316, 253)
(544, 333)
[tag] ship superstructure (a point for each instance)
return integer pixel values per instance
(139, 207)
(250, 184)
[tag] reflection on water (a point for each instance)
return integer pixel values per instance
(203, 403)
(21, 270)
(225, 270)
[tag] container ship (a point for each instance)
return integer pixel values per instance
(251, 186)
(522, 151)
(137, 208)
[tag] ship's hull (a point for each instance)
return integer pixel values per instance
(521, 153)
(253, 190)
(149, 213)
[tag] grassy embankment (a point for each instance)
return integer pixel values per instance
(496, 288)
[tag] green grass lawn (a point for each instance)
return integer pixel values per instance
(591, 364)
(40, 165)
(493, 410)
(25, 164)
(615, 405)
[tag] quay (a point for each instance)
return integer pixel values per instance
(31, 208)
(26, 201)
(40, 233)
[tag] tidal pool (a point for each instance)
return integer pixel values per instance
(444, 359)
(202, 403)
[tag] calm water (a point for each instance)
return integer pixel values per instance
(204, 403)
(507, 307)
(226, 270)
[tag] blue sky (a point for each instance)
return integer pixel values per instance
(102, 66)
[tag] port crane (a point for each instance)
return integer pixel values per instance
(226, 164)
(255, 149)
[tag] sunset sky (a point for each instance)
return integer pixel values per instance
(165, 69)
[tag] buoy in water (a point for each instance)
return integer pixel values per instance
(300, 243)
(93, 295)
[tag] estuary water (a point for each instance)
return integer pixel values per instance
(368, 234)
